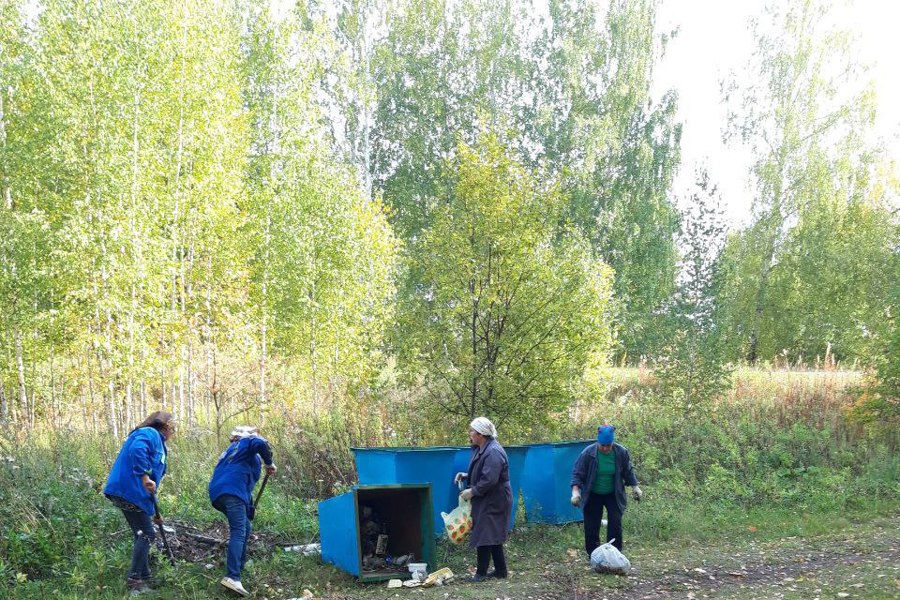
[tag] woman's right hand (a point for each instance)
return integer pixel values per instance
(460, 476)
(148, 484)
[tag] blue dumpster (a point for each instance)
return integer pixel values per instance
(436, 465)
(405, 512)
(545, 484)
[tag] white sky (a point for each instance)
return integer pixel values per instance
(715, 38)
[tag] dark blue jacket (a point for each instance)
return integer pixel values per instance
(238, 469)
(585, 471)
(144, 451)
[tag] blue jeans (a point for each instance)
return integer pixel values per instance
(144, 535)
(239, 530)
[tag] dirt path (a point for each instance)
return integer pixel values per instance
(759, 579)
(860, 565)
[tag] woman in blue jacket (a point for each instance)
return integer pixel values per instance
(132, 484)
(599, 477)
(231, 493)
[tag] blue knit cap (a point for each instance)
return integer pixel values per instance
(606, 434)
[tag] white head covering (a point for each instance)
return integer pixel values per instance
(243, 431)
(483, 426)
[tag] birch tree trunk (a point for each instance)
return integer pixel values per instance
(20, 372)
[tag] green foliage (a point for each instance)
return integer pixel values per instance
(691, 364)
(573, 87)
(507, 314)
(808, 275)
(878, 406)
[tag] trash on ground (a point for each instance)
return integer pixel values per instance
(608, 559)
(439, 577)
(395, 583)
(419, 570)
(305, 549)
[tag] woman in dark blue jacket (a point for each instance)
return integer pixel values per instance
(231, 493)
(132, 484)
(599, 478)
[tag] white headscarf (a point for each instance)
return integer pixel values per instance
(483, 426)
(243, 431)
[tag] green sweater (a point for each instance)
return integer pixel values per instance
(606, 471)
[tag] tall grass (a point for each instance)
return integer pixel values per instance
(779, 440)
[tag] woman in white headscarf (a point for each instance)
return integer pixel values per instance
(491, 496)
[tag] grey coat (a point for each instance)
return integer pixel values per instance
(585, 471)
(491, 495)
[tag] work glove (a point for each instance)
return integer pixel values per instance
(271, 469)
(460, 476)
(466, 494)
(637, 493)
(576, 498)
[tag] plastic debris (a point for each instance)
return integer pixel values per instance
(439, 577)
(305, 549)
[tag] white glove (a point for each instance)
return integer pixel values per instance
(576, 498)
(460, 476)
(637, 493)
(466, 494)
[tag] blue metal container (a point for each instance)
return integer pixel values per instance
(436, 465)
(545, 484)
(406, 512)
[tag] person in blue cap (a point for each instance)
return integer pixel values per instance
(131, 487)
(599, 477)
(231, 493)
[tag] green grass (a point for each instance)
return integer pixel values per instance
(769, 473)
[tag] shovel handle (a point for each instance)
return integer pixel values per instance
(261, 488)
(162, 531)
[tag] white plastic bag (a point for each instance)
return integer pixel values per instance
(608, 559)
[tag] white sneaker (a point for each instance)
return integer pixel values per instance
(234, 586)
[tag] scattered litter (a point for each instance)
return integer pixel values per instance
(307, 595)
(439, 577)
(395, 583)
(305, 549)
(419, 570)
(410, 583)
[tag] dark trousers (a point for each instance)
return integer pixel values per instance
(593, 514)
(144, 534)
(485, 553)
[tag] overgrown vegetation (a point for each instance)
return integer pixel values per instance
(362, 223)
(779, 445)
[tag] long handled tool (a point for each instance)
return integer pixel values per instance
(261, 488)
(162, 532)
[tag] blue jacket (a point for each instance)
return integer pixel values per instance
(585, 471)
(238, 469)
(144, 451)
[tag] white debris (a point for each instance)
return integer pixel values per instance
(305, 549)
